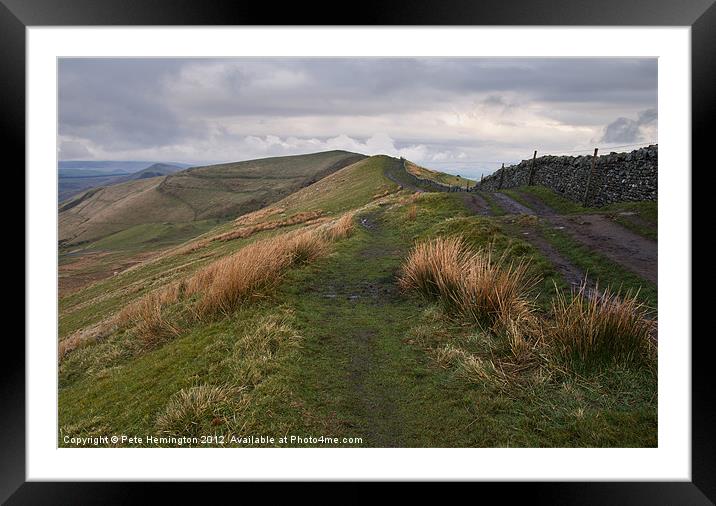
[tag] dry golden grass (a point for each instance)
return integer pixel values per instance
(594, 324)
(251, 271)
(475, 285)
(190, 248)
(434, 266)
(85, 336)
(412, 212)
(247, 231)
(339, 229)
(147, 315)
(256, 216)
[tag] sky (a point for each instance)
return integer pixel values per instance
(463, 116)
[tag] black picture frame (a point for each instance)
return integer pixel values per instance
(16, 15)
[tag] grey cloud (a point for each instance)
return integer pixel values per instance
(621, 130)
(629, 130)
(648, 117)
(183, 108)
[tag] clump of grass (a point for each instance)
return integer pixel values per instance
(251, 271)
(258, 215)
(434, 268)
(191, 411)
(473, 284)
(305, 247)
(412, 212)
(342, 227)
(152, 325)
(597, 325)
(230, 281)
(255, 352)
(248, 230)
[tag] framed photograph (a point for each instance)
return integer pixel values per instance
(444, 242)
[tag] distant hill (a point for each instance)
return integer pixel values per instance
(154, 170)
(74, 177)
(195, 194)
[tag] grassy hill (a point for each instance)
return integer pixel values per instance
(304, 318)
(193, 195)
(154, 170)
(75, 177)
(437, 176)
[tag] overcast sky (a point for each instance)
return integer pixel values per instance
(459, 115)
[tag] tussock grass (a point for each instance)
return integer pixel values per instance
(434, 267)
(412, 212)
(251, 271)
(85, 336)
(151, 324)
(192, 410)
(235, 279)
(599, 324)
(255, 352)
(305, 247)
(248, 230)
(474, 284)
(341, 228)
(256, 216)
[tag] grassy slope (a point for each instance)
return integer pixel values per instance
(201, 193)
(366, 366)
(439, 177)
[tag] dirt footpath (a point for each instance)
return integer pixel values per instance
(598, 232)
(615, 242)
(476, 203)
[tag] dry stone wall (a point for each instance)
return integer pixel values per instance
(618, 177)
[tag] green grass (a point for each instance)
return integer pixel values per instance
(439, 177)
(639, 217)
(560, 204)
(345, 189)
(151, 236)
(369, 362)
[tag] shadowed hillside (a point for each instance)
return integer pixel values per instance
(196, 194)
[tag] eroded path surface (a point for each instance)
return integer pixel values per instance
(358, 366)
(634, 252)
(571, 274)
(628, 249)
(476, 203)
(510, 205)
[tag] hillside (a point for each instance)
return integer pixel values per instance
(193, 195)
(75, 177)
(154, 170)
(301, 319)
(436, 176)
